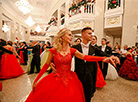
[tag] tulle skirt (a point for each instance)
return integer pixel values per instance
(10, 67)
(129, 70)
(22, 58)
(111, 73)
(53, 89)
(100, 83)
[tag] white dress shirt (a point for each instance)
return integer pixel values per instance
(85, 48)
(103, 48)
(93, 44)
(123, 51)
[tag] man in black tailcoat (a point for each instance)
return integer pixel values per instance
(87, 71)
(107, 50)
(36, 57)
(25, 53)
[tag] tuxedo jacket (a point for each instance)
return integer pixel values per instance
(81, 66)
(25, 52)
(36, 52)
(87, 67)
(108, 51)
(87, 71)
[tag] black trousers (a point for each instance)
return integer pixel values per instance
(104, 68)
(89, 85)
(35, 63)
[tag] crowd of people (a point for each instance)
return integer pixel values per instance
(93, 64)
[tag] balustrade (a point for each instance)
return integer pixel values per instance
(88, 8)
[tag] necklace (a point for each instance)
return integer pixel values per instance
(64, 51)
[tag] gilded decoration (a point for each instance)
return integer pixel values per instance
(85, 24)
(74, 26)
(113, 21)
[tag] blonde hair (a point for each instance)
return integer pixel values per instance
(58, 39)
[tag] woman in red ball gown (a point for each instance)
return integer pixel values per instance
(129, 69)
(62, 85)
(9, 64)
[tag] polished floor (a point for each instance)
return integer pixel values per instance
(121, 90)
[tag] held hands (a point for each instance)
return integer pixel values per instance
(113, 60)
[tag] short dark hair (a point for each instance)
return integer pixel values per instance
(86, 28)
(104, 39)
(107, 42)
(9, 43)
(49, 44)
(133, 46)
(78, 39)
(129, 48)
(24, 42)
(95, 36)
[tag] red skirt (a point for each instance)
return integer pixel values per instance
(10, 67)
(100, 83)
(129, 70)
(53, 89)
(21, 60)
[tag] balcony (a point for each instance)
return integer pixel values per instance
(81, 17)
(113, 13)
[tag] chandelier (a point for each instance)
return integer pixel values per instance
(24, 6)
(29, 21)
(38, 29)
(5, 28)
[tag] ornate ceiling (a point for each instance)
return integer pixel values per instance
(40, 13)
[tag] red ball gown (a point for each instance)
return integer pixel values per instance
(129, 69)
(10, 67)
(100, 83)
(21, 60)
(62, 86)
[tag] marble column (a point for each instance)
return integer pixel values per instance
(59, 18)
(99, 20)
(13, 31)
(1, 34)
(18, 31)
(130, 18)
(66, 12)
(8, 37)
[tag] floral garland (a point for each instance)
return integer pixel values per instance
(112, 3)
(74, 6)
(52, 20)
(62, 21)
